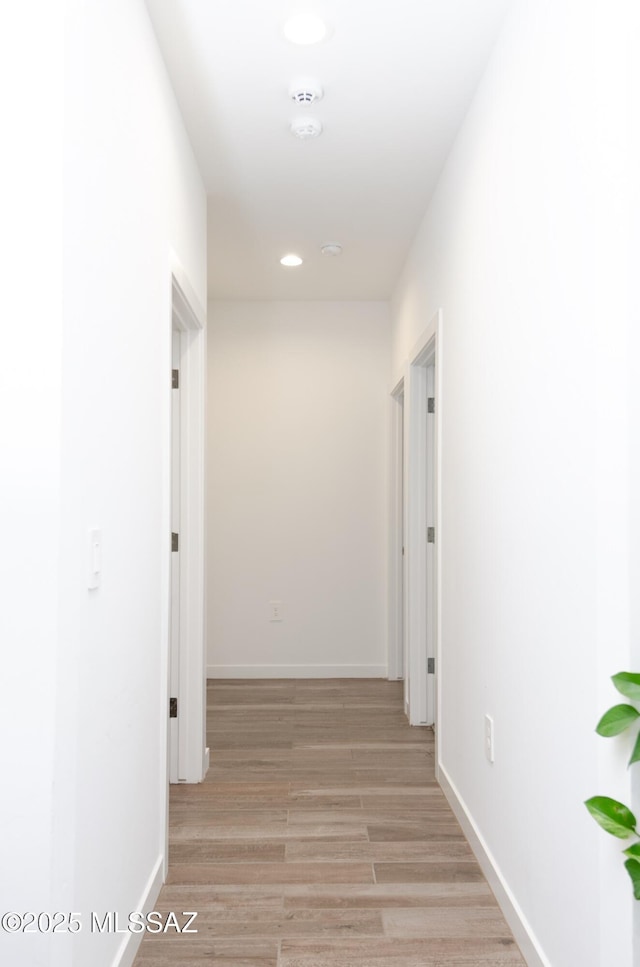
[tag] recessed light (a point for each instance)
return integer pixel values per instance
(290, 260)
(305, 28)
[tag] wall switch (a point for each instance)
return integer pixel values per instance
(94, 559)
(488, 738)
(275, 611)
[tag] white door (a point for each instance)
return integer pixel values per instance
(175, 759)
(422, 537)
(432, 536)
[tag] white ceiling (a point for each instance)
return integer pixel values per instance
(398, 77)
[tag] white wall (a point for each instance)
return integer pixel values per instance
(87, 699)
(297, 488)
(30, 428)
(632, 206)
(524, 246)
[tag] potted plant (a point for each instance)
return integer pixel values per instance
(614, 817)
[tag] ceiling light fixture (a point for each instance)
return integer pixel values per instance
(306, 128)
(305, 28)
(331, 248)
(290, 260)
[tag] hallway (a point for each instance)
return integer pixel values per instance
(320, 838)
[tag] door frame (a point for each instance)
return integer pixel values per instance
(396, 637)
(177, 736)
(422, 449)
(187, 317)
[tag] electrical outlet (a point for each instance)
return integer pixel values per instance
(488, 738)
(275, 611)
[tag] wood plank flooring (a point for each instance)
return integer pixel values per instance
(321, 839)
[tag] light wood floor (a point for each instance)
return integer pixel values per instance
(321, 839)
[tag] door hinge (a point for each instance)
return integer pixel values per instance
(431, 666)
(173, 708)
(175, 379)
(431, 404)
(431, 535)
(175, 540)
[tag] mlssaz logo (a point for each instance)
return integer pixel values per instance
(136, 922)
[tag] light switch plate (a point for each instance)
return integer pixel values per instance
(94, 558)
(488, 738)
(275, 611)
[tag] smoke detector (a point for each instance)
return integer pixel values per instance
(331, 248)
(306, 128)
(305, 90)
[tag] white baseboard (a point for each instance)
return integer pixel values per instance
(205, 762)
(129, 946)
(296, 671)
(520, 927)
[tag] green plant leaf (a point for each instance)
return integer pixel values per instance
(617, 719)
(633, 851)
(633, 869)
(635, 755)
(613, 816)
(628, 684)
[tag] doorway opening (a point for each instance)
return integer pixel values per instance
(185, 685)
(420, 528)
(188, 656)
